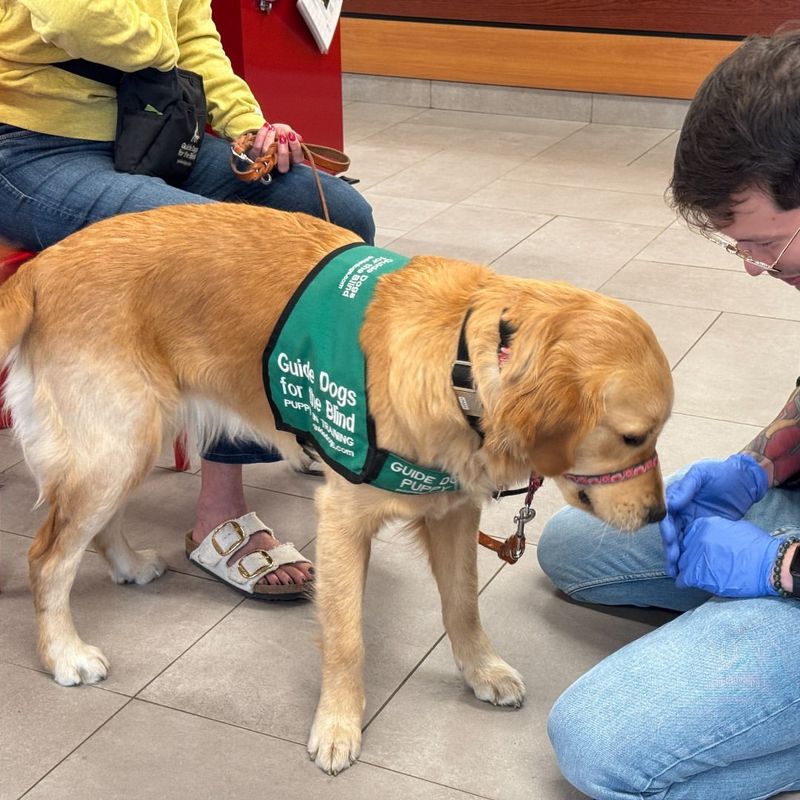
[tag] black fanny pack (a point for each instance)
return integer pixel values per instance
(161, 118)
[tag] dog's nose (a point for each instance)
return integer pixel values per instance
(656, 513)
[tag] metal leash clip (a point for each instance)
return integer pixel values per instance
(248, 165)
(511, 549)
(526, 514)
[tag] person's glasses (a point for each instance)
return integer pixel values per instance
(732, 247)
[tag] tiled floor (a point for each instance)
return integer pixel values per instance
(211, 696)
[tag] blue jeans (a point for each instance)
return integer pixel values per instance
(706, 707)
(51, 186)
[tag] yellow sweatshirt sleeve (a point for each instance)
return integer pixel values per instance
(129, 35)
(232, 108)
(117, 33)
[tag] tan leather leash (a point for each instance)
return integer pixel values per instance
(259, 169)
(511, 549)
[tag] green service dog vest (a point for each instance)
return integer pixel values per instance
(314, 373)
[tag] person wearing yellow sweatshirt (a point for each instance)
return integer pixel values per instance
(57, 171)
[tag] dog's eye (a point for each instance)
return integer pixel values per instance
(634, 441)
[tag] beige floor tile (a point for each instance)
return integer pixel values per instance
(446, 177)
(365, 119)
(166, 500)
(467, 133)
(41, 723)
(385, 236)
(661, 156)
(435, 728)
(636, 178)
(141, 629)
(584, 252)
(619, 145)
(678, 245)
(688, 438)
(373, 162)
(163, 509)
(470, 232)
(10, 453)
(677, 329)
(152, 753)
(699, 287)
(742, 370)
(269, 654)
(402, 621)
(17, 498)
(571, 201)
(402, 213)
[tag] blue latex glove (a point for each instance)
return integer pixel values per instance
(729, 558)
(710, 489)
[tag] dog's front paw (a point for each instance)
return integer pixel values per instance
(334, 743)
(497, 683)
(78, 663)
(143, 567)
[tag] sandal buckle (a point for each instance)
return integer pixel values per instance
(265, 567)
(224, 551)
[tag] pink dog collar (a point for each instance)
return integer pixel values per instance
(613, 477)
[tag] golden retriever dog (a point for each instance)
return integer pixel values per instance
(112, 334)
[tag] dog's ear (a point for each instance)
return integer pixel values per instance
(547, 401)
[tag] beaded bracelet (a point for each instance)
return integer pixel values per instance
(776, 570)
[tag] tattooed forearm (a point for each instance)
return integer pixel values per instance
(777, 447)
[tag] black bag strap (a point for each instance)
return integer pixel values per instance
(95, 72)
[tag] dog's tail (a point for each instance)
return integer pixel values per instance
(16, 309)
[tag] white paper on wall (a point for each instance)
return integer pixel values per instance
(322, 17)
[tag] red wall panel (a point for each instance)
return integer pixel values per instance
(277, 56)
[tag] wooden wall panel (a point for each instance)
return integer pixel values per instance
(711, 17)
(588, 62)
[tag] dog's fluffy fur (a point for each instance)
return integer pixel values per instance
(119, 331)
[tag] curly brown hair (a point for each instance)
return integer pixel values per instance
(742, 131)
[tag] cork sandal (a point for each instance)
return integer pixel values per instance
(213, 553)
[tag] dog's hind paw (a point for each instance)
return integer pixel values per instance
(143, 567)
(334, 744)
(497, 683)
(80, 664)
